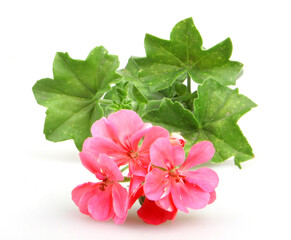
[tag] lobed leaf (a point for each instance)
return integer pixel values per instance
(73, 96)
(167, 61)
(216, 112)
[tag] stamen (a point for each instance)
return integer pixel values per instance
(102, 186)
(133, 154)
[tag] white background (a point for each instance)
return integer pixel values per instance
(37, 176)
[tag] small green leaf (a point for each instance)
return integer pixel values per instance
(121, 93)
(118, 98)
(130, 72)
(138, 96)
(180, 88)
(72, 97)
(169, 60)
(216, 112)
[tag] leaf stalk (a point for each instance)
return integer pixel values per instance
(188, 83)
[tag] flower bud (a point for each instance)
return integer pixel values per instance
(177, 140)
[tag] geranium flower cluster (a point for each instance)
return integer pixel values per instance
(158, 173)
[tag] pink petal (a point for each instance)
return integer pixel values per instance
(119, 220)
(120, 200)
(176, 192)
(179, 155)
(151, 136)
(104, 145)
(136, 167)
(199, 153)
(90, 162)
(135, 182)
(156, 182)
(135, 139)
(150, 213)
(166, 203)
(104, 129)
(136, 194)
(80, 190)
(120, 161)
(139, 166)
(205, 178)
(144, 158)
(83, 203)
(161, 154)
(109, 168)
(127, 123)
(100, 206)
(89, 146)
(147, 125)
(187, 195)
(212, 197)
(195, 197)
(135, 189)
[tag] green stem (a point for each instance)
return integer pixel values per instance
(123, 169)
(126, 179)
(188, 83)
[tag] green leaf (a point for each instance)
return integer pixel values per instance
(180, 88)
(169, 60)
(138, 96)
(73, 96)
(216, 112)
(130, 74)
(173, 116)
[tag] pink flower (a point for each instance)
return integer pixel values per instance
(149, 212)
(171, 185)
(119, 135)
(103, 200)
(152, 214)
(177, 140)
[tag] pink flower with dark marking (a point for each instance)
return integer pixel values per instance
(171, 185)
(119, 137)
(106, 199)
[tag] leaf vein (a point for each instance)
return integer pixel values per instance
(170, 53)
(74, 114)
(77, 78)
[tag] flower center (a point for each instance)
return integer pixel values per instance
(174, 173)
(102, 186)
(133, 154)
